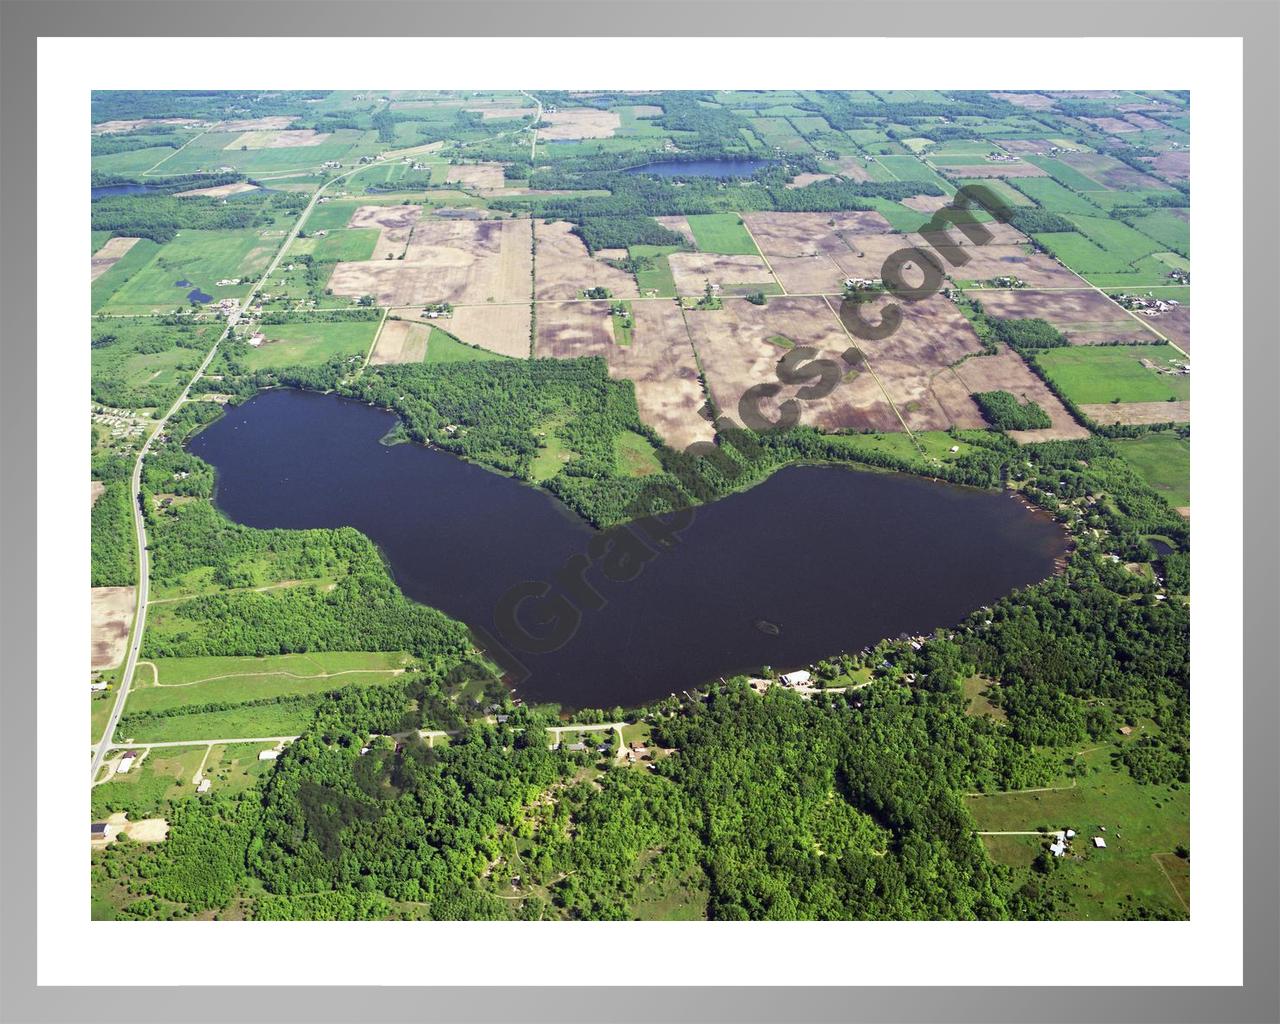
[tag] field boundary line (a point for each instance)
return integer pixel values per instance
(875, 376)
(768, 266)
(175, 152)
(291, 675)
(1177, 895)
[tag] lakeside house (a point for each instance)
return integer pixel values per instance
(797, 678)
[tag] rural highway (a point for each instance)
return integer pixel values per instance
(139, 526)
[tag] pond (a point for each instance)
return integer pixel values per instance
(813, 561)
(701, 168)
(196, 295)
(126, 189)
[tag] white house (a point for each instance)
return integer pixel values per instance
(126, 761)
(1099, 842)
(204, 786)
(268, 755)
(796, 678)
(97, 686)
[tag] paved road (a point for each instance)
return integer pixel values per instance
(139, 526)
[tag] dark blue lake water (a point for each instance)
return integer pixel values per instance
(834, 558)
(130, 189)
(701, 168)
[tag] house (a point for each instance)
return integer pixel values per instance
(256, 339)
(97, 686)
(577, 746)
(204, 786)
(268, 755)
(955, 448)
(503, 719)
(1099, 842)
(1059, 847)
(796, 678)
(126, 761)
(1070, 833)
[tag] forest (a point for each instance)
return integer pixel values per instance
(160, 217)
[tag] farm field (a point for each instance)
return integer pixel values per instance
(1144, 825)
(1100, 374)
(200, 258)
(1164, 461)
(168, 683)
(310, 344)
(722, 233)
(444, 348)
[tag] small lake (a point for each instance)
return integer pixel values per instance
(196, 295)
(127, 189)
(814, 560)
(701, 168)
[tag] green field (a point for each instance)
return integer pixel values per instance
(209, 152)
(908, 168)
(634, 455)
(136, 161)
(443, 347)
(200, 257)
(1094, 374)
(339, 245)
(1066, 174)
(1164, 461)
(137, 369)
(1116, 237)
(123, 269)
(657, 274)
(164, 774)
(1144, 824)
(1000, 187)
(310, 344)
(286, 719)
(722, 233)
(1055, 198)
(1083, 255)
(234, 767)
(1166, 227)
(184, 682)
(937, 445)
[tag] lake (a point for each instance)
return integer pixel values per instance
(814, 560)
(701, 168)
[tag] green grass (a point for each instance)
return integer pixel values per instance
(1116, 237)
(623, 324)
(1146, 273)
(339, 245)
(1082, 254)
(121, 271)
(722, 233)
(201, 257)
(1066, 174)
(443, 347)
(234, 767)
(185, 682)
(937, 445)
(1054, 197)
(163, 775)
(1094, 374)
(1164, 461)
(310, 344)
(133, 162)
(656, 277)
(975, 690)
(1142, 823)
(209, 152)
(97, 239)
(908, 168)
(635, 455)
(266, 720)
(551, 458)
(101, 703)
(1000, 187)
(1167, 228)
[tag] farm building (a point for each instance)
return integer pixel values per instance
(98, 830)
(126, 761)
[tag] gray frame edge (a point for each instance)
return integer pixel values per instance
(23, 21)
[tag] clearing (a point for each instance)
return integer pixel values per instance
(111, 616)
